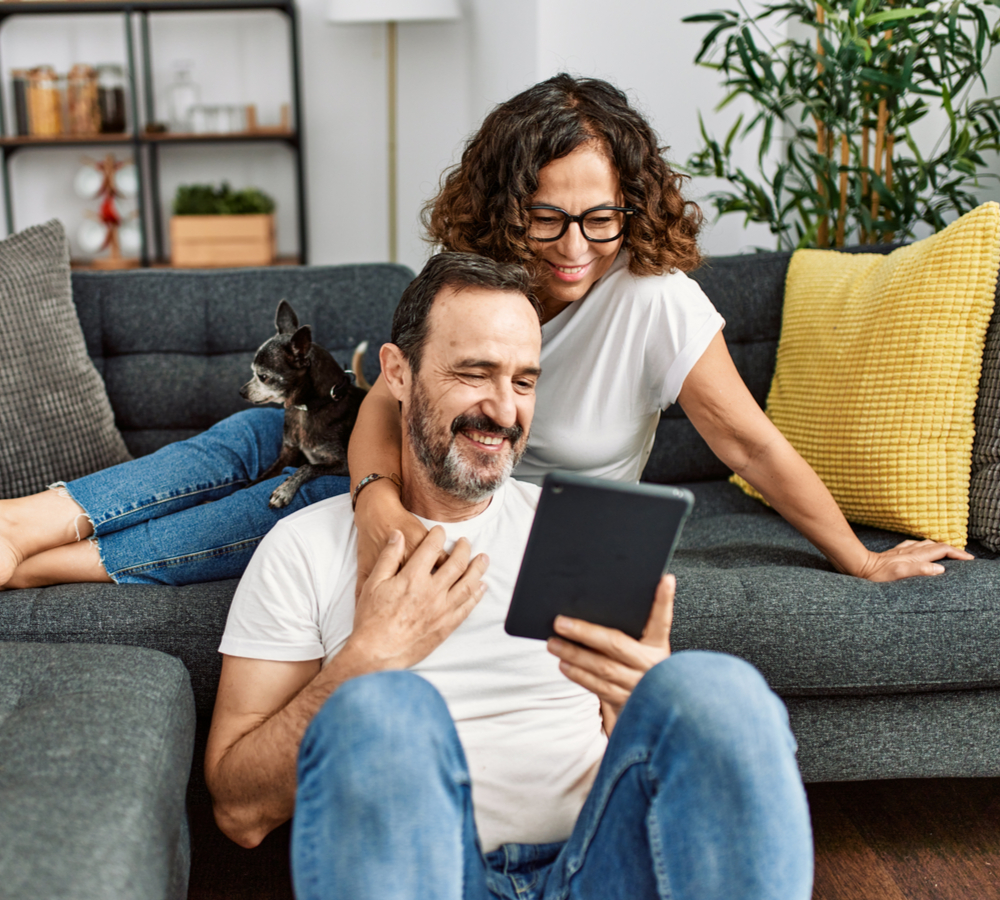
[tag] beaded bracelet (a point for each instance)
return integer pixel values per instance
(367, 480)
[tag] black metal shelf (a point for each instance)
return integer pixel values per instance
(62, 7)
(146, 146)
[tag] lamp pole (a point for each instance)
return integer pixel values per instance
(391, 89)
(392, 12)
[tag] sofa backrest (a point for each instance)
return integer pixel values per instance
(174, 347)
(748, 291)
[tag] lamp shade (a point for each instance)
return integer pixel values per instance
(347, 11)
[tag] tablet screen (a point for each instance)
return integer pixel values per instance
(596, 552)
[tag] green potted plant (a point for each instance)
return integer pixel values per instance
(214, 227)
(843, 100)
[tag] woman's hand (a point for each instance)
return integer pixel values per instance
(608, 662)
(908, 559)
(380, 512)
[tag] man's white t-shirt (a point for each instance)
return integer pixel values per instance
(610, 363)
(533, 739)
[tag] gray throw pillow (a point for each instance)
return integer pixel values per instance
(56, 422)
(984, 487)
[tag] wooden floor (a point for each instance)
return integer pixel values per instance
(935, 839)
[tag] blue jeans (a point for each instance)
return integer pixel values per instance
(152, 517)
(698, 797)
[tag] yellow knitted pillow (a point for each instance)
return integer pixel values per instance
(878, 370)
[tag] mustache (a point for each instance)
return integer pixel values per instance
(487, 426)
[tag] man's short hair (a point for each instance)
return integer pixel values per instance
(456, 271)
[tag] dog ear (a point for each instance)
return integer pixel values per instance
(300, 345)
(286, 321)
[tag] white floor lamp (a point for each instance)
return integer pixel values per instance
(391, 12)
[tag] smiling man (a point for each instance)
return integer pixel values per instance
(427, 754)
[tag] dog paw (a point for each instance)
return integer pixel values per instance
(281, 496)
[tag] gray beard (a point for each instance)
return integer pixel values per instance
(440, 457)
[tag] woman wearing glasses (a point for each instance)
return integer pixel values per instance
(565, 178)
(568, 179)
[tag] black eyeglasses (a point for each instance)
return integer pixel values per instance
(598, 225)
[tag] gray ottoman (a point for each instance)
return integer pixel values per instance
(95, 752)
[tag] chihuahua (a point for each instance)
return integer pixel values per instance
(321, 403)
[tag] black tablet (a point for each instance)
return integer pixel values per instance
(596, 552)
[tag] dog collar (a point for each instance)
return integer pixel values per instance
(334, 395)
(346, 385)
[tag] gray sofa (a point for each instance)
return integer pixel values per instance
(881, 681)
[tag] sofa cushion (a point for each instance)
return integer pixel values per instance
(186, 622)
(96, 744)
(55, 417)
(749, 584)
(878, 369)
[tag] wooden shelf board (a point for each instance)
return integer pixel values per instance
(85, 265)
(261, 134)
(69, 140)
(76, 140)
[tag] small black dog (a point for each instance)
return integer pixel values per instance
(320, 399)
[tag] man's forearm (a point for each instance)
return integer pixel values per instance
(253, 781)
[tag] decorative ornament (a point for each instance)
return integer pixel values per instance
(109, 180)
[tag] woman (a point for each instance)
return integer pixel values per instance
(565, 178)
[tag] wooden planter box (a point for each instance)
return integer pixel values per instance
(221, 241)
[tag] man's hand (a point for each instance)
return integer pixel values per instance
(407, 609)
(263, 707)
(610, 663)
(908, 559)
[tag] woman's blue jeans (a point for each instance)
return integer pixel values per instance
(185, 514)
(698, 798)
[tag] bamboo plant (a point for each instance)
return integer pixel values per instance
(843, 102)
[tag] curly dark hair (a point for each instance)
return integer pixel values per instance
(481, 205)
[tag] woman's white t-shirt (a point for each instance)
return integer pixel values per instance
(610, 363)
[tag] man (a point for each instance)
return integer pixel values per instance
(438, 757)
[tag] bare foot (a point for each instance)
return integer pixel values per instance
(69, 564)
(30, 525)
(10, 559)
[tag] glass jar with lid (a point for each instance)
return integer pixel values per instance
(19, 80)
(83, 110)
(45, 100)
(111, 97)
(184, 96)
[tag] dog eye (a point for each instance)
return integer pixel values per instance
(262, 379)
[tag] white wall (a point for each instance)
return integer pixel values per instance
(646, 50)
(450, 75)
